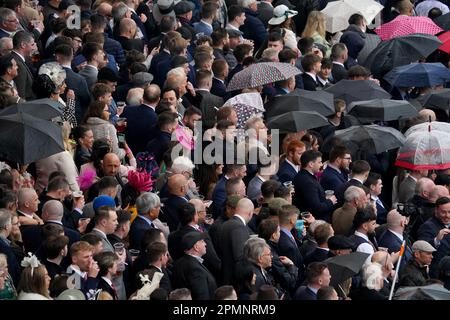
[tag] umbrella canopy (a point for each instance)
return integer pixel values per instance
(262, 73)
(404, 25)
(443, 21)
(246, 106)
(400, 51)
(301, 100)
(418, 75)
(357, 90)
(43, 109)
(434, 125)
(368, 138)
(345, 266)
(439, 99)
(425, 150)
(381, 110)
(430, 292)
(296, 121)
(338, 12)
(25, 139)
(445, 38)
(370, 43)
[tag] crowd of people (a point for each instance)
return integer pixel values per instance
(126, 212)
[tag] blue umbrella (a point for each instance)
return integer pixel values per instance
(418, 75)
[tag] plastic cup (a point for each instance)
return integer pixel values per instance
(329, 193)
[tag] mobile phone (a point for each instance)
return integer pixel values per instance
(121, 138)
(305, 214)
(299, 225)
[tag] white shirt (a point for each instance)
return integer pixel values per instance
(76, 269)
(398, 235)
(26, 214)
(312, 75)
(364, 247)
(242, 219)
(109, 282)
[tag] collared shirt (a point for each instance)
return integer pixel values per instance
(66, 66)
(312, 75)
(209, 25)
(322, 81)
(334, 167)
(21, 56)
(150, 106)
(8, 32)
(242, 219)
(108, 281)
(338, 63)
(365, 247)
(76, 269)
(377, 200)
(55, 221)
(362, 182)
(101, 232)
(150, 223)
(398, 235)
(202, 89)
(196, 257)
(296, 168)
(26, 214)
(6, 240)
(219, 80)
(288, 233)
(313, 289)
(90, 65)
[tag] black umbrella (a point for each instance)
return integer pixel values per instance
(438, 99)
(301, 100)
(443, 21)
(357, 90)
(43, 109)
(371, 41)
(25, 139)
(296, 121)
(400, 51)
(345, 266)
(369, 138)
(429, 292)
(381, 110)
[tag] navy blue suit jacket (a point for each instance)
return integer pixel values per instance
(253, 28)
(161, 56)
(159, 144)
(287, 247)
(393, 244)
(331, 179)
(286, 172)
(305, 293)
(170, 211)
(13, 264)
(140, 25)
(219, 196)
(219, 89)
(310, 196)
(137, 230)
(78, 84)
(381, 213)
(3, 34)
(141, 122)
(429, 230)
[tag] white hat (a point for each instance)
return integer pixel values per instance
(281, 13)
(54, 70)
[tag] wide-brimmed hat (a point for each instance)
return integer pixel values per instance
(163, 8)
(55, 72)
(281, 13)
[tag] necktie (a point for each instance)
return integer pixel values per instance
(380, 203)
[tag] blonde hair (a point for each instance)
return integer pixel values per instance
(3, 261)
(314, 23)
(66, 129)
(34, 282)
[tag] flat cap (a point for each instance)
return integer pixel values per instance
(183, 7)
(421, 245)
(191, 238)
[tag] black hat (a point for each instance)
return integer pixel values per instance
(191, 238)
(107, 74)
(183, 7)
(340, 242)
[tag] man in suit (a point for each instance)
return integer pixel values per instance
(105, 223)
(375, 184)
(158, 257)
(84, 268)
(5, 245)
(359, 172)
(317, 276)
(189, 271)
(291, 165)
(364, 237)
(142, 119)
(435, 228)
(95, 60)
(107, 263)
(342, 219)
(253, 28)
(9, 23)
(74, 81)
(178, 186)
(166, 124)
(220, 70)
(189, 222)
(127, 36)
(148, 206)
(220, 194)
(336, 172)
(233, 235)
(309, 194)
(230, 209)
(209, 103)
(311, 64)
(407, 187)
(339, 54)
(265, 11)
(208, 15)
(23, 46)
(321, 234)
(392, 238)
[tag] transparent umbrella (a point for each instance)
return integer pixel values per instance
(435, 125)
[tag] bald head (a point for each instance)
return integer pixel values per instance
(111, 164)
(104, 9)
(425, 114)
(52, 210)
(394, 219)
(127, 28)
(245, 209)
(198, 204)
(135, 96)
(152, 94)
(424, 187)
(178, 184)
(438, 192)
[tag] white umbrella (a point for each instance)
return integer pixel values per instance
(434, 125)
(338, 12)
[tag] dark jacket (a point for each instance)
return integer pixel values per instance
(137, 230)
(286, 172)
(141, 123)
(265, 12)
(159, 144)
(114, 48)
(429, 230)
(219, 89)
(189, 273)
(341, 190)
(413, 275)
(338, 72)
(78, 84)
(285, 276)
(24, 79)
(365, 293)
(104, 286)
(13, 265)
(131, 44)
(305, 293)
(331, 179)
(308, 82)
(318, 255)
(253, 28)
(219, 196)
(310, 196)
(209, 105)
(169, 212)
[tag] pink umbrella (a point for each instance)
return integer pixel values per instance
(405, 25)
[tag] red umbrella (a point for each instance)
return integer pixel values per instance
(405, 25)
(445, 38)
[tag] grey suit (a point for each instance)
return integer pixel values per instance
(233, 235)
(90, 74)
(265, 12)
(24, 79)
(406, 189)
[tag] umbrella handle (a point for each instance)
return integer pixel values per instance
(342, 290)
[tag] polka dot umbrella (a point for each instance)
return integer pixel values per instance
(262, 73)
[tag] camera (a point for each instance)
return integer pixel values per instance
(407, 209)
